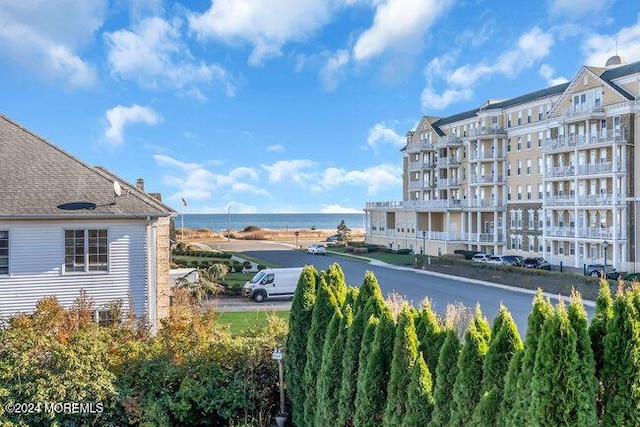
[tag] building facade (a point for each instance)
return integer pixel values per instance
(550, 173)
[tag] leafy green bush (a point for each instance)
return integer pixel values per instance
(404, 251)
(467, 254)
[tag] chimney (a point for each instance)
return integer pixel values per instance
(140, 184)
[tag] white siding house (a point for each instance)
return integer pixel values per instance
(63, 229)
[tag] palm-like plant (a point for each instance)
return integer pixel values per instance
(209, 281)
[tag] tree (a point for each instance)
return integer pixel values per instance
(295, 357)
(597, 330)
(419, 396)
(557, 398)
(445, 378)
(325, 307)
(586, 364)
(505, 342)
(468, 384)
(372, 391)
(510, 394)
(329, 377)
(334, 278)
(369, 302)
(621, 368)
(344, 232)
(405, 353)
(542, 310)
(430, 337)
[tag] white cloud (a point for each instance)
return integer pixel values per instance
(574, 9)
(398, 24)
(194, 181)
(381, 134)
(374, 179)
(275, 147)
(531, 47)
(290, 170)
(119, 117)
(332, 70)
(44, 37)
(546, 71)
(154, 55)
(338, 209)
(434, 101)
(598, 48)
(266, 25)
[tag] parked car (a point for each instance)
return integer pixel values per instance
(334, 238)
(516, 260)
(480, 257)
(537, 262)
(316, 249)
(597, 270)
(495, 259)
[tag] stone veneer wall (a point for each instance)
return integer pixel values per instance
(163, 259)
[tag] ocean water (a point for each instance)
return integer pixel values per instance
(270, 221)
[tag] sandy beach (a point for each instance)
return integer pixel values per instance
(255, 233)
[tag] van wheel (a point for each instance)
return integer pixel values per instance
(259, 297)
(595, 274)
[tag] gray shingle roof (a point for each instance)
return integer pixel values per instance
(37, 178)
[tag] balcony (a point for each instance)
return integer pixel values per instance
(485, 203)
(487, 179)
(448, 183)
(421, 165)
(487, 131)
(584, 112)
(448, 141)
(565, 143)
(419, 147)
(487, 155)
(604, 200)
(588, 170)
(484, 237)
(600, 233)
(417, 185)
(561, 232)
(445, 162)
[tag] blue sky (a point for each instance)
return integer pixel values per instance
(274, 106)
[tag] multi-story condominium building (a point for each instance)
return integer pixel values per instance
(550, 173)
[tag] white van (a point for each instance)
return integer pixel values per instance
(272, 283)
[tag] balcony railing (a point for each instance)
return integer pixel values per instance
(487, 155)
(420, 164)
(486, 131)
(449, 140)
(585, 200)
(588, 169)
(485, 203)
(487, 179)
(444, 162)
(575, 141)
(585, 110)
(435, 204)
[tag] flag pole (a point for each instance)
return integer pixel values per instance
(182, 217)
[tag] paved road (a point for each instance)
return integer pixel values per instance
(413, 284)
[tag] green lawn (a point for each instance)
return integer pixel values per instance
(241, 321)
(389, 258)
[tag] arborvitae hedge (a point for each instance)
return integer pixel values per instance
(304, 299)
(362, 310)
(446, 374)
(372, 392)
(597, 330)
(586, 364)
(505, 342)
(621, 370)
(419, 396)
(542, 310)
(405, 353)
(510, 394)
(468, 385)
(430, 337)
(329, 377)
(557, 398)
(324, 309)
(335, 281)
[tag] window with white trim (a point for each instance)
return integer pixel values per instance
(4, 252)
(85, 250)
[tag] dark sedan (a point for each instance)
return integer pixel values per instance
(538, 262)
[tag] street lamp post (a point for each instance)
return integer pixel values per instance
(424, 242)
(229, 223)
(605, 245)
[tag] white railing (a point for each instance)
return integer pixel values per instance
(573, 141)
(588, 169)
(560, 200)
(449, 140)
(487, 155)
(492, 179)
(487, 130)
(561, 231)
(600, 233)
(581, 111)
(448, 161)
